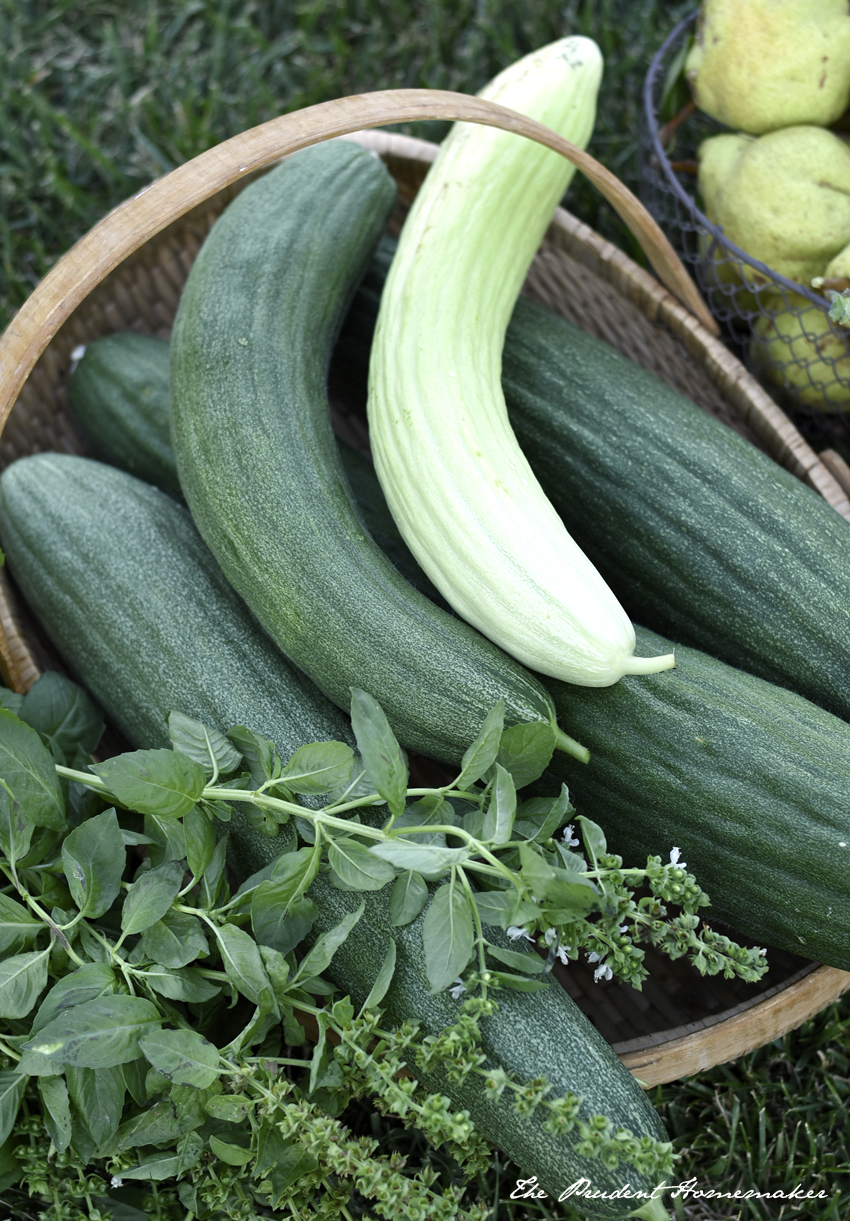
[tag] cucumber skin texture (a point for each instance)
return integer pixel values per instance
(705, 538)
(533, 1034)
(751, 781)
(132, 598)
(120, 399)
(702, 537)
(260, 470)
(135, 603)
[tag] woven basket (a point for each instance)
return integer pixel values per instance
(681, 1022)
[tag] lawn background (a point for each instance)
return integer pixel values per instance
(96, 99)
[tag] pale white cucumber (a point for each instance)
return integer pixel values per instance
(462, 493)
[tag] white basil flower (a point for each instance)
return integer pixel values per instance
(675, 853)
(515, 932)
(457, 991)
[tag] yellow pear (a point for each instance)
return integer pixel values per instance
(783, 198)
(758, 65)
(799, 349)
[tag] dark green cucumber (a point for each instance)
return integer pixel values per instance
(750, 780)
(120, 399)
(260, 469)
(537, 1034)
(137, 606)
(701, 536)
(132, 598)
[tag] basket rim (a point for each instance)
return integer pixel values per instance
(665, 1055)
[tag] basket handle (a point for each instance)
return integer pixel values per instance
(129, 226)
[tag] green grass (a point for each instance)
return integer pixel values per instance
(98, 98)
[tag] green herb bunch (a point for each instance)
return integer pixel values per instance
(155, 1060)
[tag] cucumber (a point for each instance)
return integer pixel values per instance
(702, 536)
(537, 1034)
(132, 598)
(120, 399)
(125, 588)
(261, 473)
(479, 522)
(749, 780)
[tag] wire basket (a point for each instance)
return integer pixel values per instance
(779, 328)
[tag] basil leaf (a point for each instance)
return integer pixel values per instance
(242, 963)
(87, 983)
(183, 1056)
(16, 831)
(292, 874)
(57, 1111)
(318, 767)
(502, 908)
(540, 817)
(231, 1108)
(504, 980)
(384, 978)
(278, 928)
(168, 839)
(208, 747)
(482, 754)
(160, 782)
(430, 810)
(594, 839)
(157, 1125)
(356, 868)
(175, 940)
(431, 861)
(98, 1097)
(98, 1034)
(181, 984)
(407, 898)
(63, 712)
(165, 1164)
(150, 897)
(10, 700)
(526, 750)
(529, 962)
(12, 1086)
(319, 957)
(17, 926)
(448, 935)
(499, 820)
(93, 858)
(259, 754)
(382, 756)
(233, 1155)
(23, 978)
(29, 774)
(200, 841)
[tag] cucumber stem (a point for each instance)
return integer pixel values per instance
(649, 665)
(564, 742)
(653, 1210)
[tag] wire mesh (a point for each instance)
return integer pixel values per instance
(781, 329)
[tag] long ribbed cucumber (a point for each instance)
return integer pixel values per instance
(748, 779)
(120, 397)
(479, 522)
(132, 598)
(259, 467)
(135, 603)
(701, 535)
